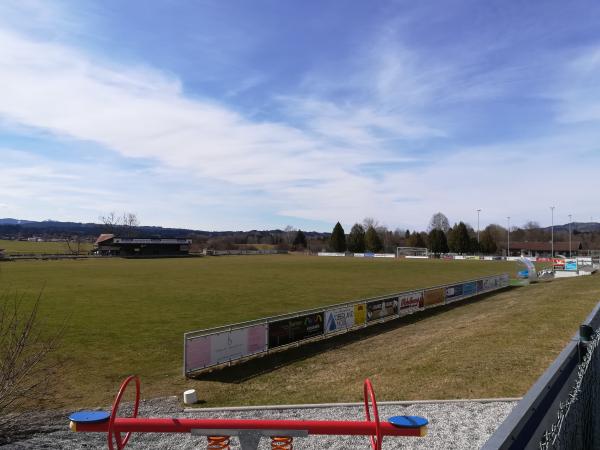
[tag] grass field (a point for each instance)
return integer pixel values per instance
(40, 248)
(129, 316)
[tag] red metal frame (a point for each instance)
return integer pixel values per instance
(112, 431)
(375, 429)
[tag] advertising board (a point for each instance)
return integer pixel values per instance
(434, 297)
(469, 288)
(454, 292)
(410, 303)
(491, 283)
(207, 348)
(287, 331)
(213, 349)
(339, 319)
(382, 308)
(571, 264)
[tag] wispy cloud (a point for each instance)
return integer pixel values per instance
(394, 131)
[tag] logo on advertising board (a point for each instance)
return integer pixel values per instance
(454, 291)
(434, 296)
(470, 288)
(571, 265)
(490, 283)
(360, 314)
(382, 308)
(339, 319)
(410, 303)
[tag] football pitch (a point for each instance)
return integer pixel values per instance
(128, 316)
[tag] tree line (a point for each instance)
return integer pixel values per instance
(439, 238)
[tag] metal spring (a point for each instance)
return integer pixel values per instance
(218, 442)
(281, 443)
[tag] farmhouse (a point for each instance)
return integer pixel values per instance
(109, 244)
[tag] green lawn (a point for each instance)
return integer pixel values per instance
(129, 316)
(40, 248)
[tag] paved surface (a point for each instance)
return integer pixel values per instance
(452, 426)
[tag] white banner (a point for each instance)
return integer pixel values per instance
(339, 319)
(222, 347)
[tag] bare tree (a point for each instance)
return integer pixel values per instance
(124, 224)
(439, 222)
(110, 221)
(370, 222)
(290, 234)
(26, 366)
(129, 223)
(74, 244)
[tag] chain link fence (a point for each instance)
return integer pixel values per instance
(577, 424)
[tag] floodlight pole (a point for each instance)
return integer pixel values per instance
(478, 211)
(552, 230)
(508, 238)
(570, 220)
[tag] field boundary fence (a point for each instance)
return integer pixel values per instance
(208, 348)
(562, 409)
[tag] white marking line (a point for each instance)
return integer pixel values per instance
(338, 405)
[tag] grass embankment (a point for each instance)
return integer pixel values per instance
(41, 248)
(129, 316)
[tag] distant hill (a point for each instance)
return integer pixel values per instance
(581, 227)
(25, 228)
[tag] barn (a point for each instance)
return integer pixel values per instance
(111, 245)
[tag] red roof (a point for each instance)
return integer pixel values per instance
(545, 246)
(104, 237)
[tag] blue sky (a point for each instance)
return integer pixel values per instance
(241, 115)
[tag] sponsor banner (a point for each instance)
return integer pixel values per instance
(571, 265)
(434, 297)
(416, 257)
(544, 259)
(360, 314)
(384, 255)
(369, 255)
(504, 280)
(459, 257)
(295, 329)
(339, 319)
(410, 303)
(222, 347)
(359, 255)
(382, 308)
(491, 283)
(454, 292)
(479, 285)
(330, 254)
(472, 257)
(469, 288)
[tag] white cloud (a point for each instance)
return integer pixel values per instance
(212, 159)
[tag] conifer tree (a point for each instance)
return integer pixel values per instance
(338, 239)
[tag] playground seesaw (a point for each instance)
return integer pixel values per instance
(248, 431)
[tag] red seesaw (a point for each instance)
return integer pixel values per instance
(249, 431)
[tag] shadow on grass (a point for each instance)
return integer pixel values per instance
(254, 367)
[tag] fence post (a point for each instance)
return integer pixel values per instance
(585, 336)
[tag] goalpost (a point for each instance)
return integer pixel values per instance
(415, 252)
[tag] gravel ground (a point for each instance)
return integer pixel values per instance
(464, 425)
